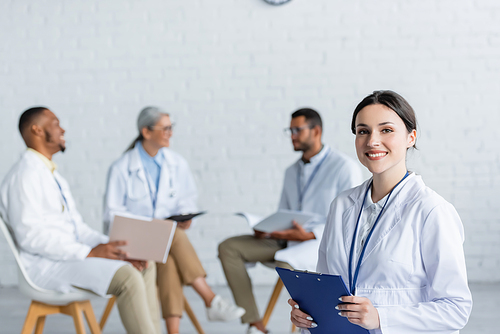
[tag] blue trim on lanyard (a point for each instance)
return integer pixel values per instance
(313, 174)
(353, 280)
(154, 198)
(67, 207)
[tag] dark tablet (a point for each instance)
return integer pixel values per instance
(185, 217)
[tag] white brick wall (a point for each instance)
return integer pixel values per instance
(232, 71)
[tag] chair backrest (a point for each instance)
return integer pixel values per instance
(23, 278)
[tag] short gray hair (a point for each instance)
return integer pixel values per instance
(149, 116)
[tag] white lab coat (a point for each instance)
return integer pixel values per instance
(53, 240)
(413, 270)
(337, 173)
(128, 190)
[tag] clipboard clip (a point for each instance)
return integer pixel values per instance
(307, 272)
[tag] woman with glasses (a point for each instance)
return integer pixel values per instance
(152, 180)
(396, 243)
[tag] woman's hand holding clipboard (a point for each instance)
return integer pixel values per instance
(318, 295)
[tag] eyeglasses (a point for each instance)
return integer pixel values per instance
(166, 129)
(294, 131)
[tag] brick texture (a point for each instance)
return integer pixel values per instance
(231, 72)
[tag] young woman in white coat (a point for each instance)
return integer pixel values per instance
(152, 180)
(397, 244)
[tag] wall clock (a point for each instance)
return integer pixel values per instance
(277, 2)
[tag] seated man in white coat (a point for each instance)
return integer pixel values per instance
(310, 185)
(59, 251)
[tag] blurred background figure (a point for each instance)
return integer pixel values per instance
(59, 251)
(152, 180)
(310, 185)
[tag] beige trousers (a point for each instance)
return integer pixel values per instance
(136, 299)
(182, 267)
(233, 254)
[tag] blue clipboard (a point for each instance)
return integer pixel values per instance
(317, 295)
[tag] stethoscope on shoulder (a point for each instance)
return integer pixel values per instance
(172, 193)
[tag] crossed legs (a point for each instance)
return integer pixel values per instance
(136, 299)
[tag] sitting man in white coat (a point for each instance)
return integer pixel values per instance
(310, 185)
(59, 251)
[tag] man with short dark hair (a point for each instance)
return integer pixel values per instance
(310, 185)
(58, 250)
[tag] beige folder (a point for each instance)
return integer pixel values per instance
(147, 239)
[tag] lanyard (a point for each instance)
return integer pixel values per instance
(313, 174)
(67, 206)
(154, 196)
(353, 280)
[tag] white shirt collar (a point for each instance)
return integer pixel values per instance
(316, 158)
(369, 202)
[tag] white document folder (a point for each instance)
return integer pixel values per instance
(279, 221)
(252, 219)
(147, 239)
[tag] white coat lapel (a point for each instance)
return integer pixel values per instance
(49, 179)
(391, 216)
(135, 165)
(389, 219)
(137, 179)
(350, 216)
(56, 183)
(349, 222)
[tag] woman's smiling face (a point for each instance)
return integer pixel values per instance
(382, 139)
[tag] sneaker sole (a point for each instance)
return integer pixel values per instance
(237, 315)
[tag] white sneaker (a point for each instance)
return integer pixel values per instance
(255, 330)
(223, 310)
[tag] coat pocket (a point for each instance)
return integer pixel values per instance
(137, 190)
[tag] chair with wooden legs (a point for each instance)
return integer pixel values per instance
(274, 298)
(192, 317)
(38, 312)
(187, 308)
(45, 302)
